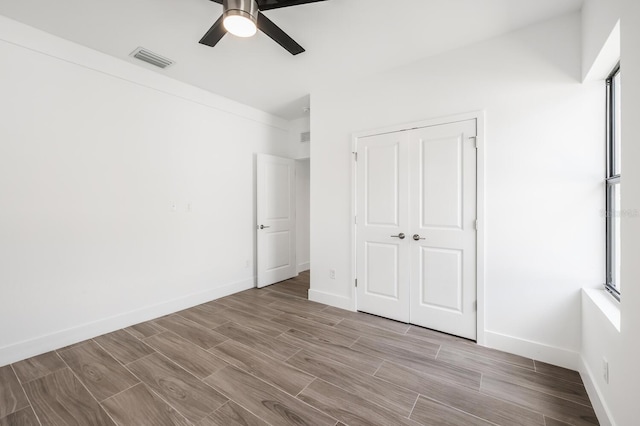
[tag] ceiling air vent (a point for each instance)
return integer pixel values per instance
(305, 137)
(151, 58)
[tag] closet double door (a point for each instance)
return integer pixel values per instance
(416, 226)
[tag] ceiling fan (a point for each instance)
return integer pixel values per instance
(244, 17)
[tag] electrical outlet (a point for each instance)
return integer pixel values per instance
(605, 370)
(332, 274)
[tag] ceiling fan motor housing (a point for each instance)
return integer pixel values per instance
(245, 8)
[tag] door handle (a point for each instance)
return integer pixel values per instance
(417, 237)
(264, 227)
(400, 235)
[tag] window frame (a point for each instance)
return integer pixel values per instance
(612, 183)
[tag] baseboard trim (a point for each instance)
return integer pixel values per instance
(534, 350)
(595, 396)
(305, 266)
(332, 300)
(59, 339)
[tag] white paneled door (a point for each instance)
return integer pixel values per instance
(420, 184)
(276, 219)
(382, 226)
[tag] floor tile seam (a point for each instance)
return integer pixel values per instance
(276, 387)
(414, 406)
(315, 322)
(41, 377)
(122, 391)
(136, 337)
(552, 418)
(545, 413)
(150, 389)
(72, 347)
(190, 373)
(362, 321)
(354, 343)
(439, 380)
(334, 343)
(267, 356)
(355, 371)
(252, 330)
(297, 352)
(351, 393)
(535, 389)
(87, 389)
(120, 362)
(386, 356)
(488, 358)
(342, 363)
(166, 401)
(580, 383)
(24, 391)
(237, 403)
(537, 361)
(462, 411)
(198, 325)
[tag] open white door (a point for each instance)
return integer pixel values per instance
(276, 219)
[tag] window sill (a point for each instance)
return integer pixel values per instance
(609, 307)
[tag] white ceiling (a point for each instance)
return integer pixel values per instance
(344, 39)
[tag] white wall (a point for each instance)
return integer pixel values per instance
(95, 154)
(627, 394)
(544, 159)
(618, 400)
(303, 233)
(599, 18)
(299, 149)
(301, 152)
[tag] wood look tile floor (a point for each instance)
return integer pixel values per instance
(271, 357)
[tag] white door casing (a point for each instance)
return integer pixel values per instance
(276, 225)
(418, 182)
(383, 216)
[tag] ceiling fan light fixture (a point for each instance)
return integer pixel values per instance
(240, 17)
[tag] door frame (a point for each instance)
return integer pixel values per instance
(479, 116)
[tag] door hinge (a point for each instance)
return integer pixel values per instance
(476, 224)
(475, 141)
(355, 220)
(355, 156)
(356, 282)
(475, 305)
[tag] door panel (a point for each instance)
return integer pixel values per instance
(442, 182)
(383, 260)
(276, 219)
(278, 196)
(441, 279)
(383, 192)
(278, 254)
(443, 214)
(381, 270)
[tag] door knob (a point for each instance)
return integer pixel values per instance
(400, 235)
(264, 227)
(417, 237)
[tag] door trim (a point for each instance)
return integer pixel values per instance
(479, 116)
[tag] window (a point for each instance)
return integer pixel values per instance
(613, 186)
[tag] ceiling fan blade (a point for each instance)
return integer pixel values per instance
(279, 36)
(215, 33)
(277, 4)
(217, 1)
